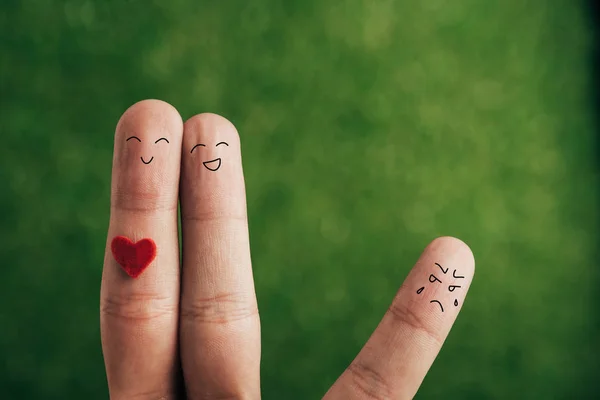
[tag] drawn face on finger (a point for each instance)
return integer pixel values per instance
(146, 152)
(450, 283)
(206, 154)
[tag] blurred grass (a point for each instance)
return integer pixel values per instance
(369, 128)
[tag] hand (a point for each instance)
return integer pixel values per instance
(169, 332)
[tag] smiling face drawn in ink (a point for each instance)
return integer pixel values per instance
(211, 165)
(451, 288)
(140, 140)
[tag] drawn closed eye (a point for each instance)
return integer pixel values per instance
(199, 144)
(222, 143)
(134, 137)
(162, 138)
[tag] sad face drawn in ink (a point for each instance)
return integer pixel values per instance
(211, 165)
(451, 288)
(140, 140)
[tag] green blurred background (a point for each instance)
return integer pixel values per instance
(369, 128)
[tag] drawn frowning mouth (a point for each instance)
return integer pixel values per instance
(142, 158)
(440, 304)
(210, 165)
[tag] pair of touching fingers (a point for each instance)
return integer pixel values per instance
(190, 329)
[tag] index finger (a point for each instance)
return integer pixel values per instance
(140, 281)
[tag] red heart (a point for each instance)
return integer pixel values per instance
(134, 258)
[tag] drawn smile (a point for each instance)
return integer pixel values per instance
(142, 158)
(213, 165)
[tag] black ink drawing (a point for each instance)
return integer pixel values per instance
(140, 140)
(211, 165)
(451, 288)
(437, 301)
(443, 271)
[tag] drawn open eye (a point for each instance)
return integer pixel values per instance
(222, 143)
(162, 138)
(199, 144)
(134, 137)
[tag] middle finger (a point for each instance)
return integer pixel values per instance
(220, 328)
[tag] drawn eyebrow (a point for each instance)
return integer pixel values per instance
(162, 138)
(222, 143)
(435, 301)
(442, 268)
(134, 137)
(457, 277)
(199, 144)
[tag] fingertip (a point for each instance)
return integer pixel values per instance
(212, 118)
(443, 274)
(212, 178)
(453, 247)
(146, 114)
(147, 152)
(210, 126)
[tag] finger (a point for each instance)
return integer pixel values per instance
(396, 358)
(139, 307)
(220, 329)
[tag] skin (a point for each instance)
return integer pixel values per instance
(194, 332)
